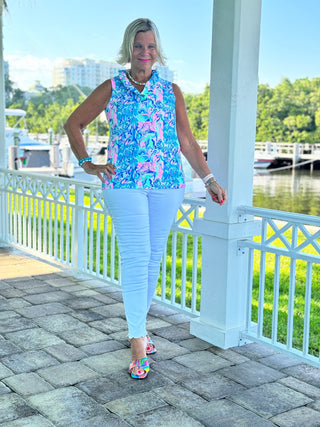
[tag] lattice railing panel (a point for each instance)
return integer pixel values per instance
(283, 308)
(67, 221)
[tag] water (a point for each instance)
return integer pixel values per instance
(297, 191)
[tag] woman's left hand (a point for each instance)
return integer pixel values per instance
(99, 170)
(217, 193)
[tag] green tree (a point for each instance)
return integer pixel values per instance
(198, 112)
(18, 99)
(8, 88)
(289, 112)
(51, 109)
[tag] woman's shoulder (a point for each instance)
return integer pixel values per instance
(105, 87)
(176, 89)
(102, 93)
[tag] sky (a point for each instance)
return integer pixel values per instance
(39, 33)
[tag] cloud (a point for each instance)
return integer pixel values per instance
(25, 69)
(188, 86)
(177, 62)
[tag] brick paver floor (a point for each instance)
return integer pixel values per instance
(64, 356)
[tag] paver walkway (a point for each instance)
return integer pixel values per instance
(64, 356)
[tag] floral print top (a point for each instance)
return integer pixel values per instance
(143, 143)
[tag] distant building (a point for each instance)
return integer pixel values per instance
(90, 73)
(36, 88)
(85, 73)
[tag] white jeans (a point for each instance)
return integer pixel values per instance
(142, 220)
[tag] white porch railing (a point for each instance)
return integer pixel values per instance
(67, 221)
(283, 309)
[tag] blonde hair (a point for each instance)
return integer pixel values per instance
(139, 25)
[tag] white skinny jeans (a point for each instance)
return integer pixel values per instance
(142, 220)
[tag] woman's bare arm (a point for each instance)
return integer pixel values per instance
(87, 111)
(190, 147)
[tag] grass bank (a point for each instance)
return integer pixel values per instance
(59, 218)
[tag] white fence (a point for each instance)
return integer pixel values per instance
(288, 150)
(281, 149)
(283, 309)
(67, 221)
(57, 138)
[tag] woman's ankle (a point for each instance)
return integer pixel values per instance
(138, 348)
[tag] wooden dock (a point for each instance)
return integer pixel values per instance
(296, 152)
(284, 152)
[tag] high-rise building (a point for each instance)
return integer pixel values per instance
(90, 73)
(85, 73)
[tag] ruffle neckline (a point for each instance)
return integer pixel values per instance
(126, 82)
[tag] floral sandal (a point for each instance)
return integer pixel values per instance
(143, 368)
(150, 349)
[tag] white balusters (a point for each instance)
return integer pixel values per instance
(62, 219)
(293, 239)
(276, 285)
(307, 309)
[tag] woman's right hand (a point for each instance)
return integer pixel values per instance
(99, 170)
(217, 193)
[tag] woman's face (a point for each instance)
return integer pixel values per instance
(144, 53)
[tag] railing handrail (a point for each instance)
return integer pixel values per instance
(60, 219)
(33, 206)
(296, 218)
(276, 293)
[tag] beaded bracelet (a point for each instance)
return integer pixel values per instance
(207, 178)
(210, 181)
(84, 160)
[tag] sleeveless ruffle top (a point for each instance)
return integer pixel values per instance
(143, 143)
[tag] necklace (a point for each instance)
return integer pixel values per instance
(131, 78)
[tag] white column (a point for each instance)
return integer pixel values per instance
(3, 196)
(2, 98)
(232, 121)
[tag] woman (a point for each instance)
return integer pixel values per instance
(143, 181)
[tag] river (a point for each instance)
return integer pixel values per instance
(297, 191)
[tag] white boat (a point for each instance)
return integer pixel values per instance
(25, 153)
(262, 160)
(96, 150)
(17, 135)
